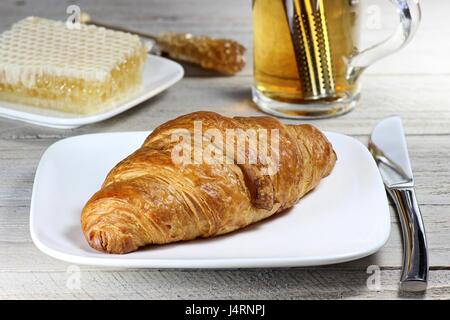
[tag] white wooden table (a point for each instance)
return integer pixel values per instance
(415, 84)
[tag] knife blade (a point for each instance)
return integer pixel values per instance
(388, 147)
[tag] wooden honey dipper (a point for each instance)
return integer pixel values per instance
(222, 55)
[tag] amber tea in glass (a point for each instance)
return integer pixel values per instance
(306, 58)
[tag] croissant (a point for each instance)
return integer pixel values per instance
(148, 198)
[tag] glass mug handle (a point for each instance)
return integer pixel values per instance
(410, 15)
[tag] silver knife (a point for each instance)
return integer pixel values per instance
(388, 146)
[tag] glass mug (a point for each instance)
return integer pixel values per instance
(306, 60)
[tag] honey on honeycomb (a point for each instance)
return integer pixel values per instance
(83, 71)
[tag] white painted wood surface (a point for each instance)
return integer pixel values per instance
(415, 83)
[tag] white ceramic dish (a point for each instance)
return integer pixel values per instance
(158, 75)
(346, 217)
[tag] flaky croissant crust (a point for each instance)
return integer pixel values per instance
(148, 199)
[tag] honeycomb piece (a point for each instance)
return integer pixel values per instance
(77, 70)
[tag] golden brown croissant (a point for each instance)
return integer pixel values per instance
(148, 198)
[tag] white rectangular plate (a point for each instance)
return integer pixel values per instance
(158, 75)
(346, 217)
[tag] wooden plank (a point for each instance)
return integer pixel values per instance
(20, 254)
(424, 113)
(427, 54)
(237, 284)
(20, 153)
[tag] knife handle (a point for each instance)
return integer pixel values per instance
(415, 253)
